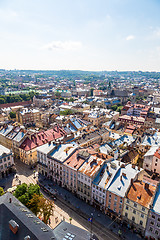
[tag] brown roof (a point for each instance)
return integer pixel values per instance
(5, 105)
(140, 194)
(75, 161)
(91, 166)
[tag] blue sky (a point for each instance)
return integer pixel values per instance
(80, 34)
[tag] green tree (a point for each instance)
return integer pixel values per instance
(114, 107)
(66, 112)
(1, 191)
(12, 115)
(20, 190)
(46, 209)
(33, 189)
(2, 100)
(33, 204)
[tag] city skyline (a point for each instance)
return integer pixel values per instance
(86, 35)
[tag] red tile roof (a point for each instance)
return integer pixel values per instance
(41, 138)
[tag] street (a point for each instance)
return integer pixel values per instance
(68, 206)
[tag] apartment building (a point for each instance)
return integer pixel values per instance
(153, 223)
(86, 173)
(55, 159)
(28, 148)
(26, 116)
(137, 204)
(118, 187)
(6, 161)
(71, 167)
(152, 159)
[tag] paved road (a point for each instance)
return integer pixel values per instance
(85, 210)
(103, 226)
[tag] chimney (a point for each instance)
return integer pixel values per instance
(121, 178)
(139, 168)
(146, 186)
(10, 200)
(13, 226)
(133, 166)
(27, 238)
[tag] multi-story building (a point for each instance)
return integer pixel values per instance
(97, 136)
(102, 181)
(6, 161)
(119, 186)
(28, 148)
(70, 169)
(55, 159)
(86, 173)
(152, 159)
(137, 203)
(26, 115)
(153, 222)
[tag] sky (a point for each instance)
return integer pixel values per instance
(95, 35)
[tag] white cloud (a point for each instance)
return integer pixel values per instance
(130, 37)
(64, 45)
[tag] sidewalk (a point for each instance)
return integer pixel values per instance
(87, 210)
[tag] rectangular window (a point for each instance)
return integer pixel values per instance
(142, 215)
(153, 216)
(156, 232)
(127, 201)
(135, 204)
(134, 211)
(126, 207)
(141, 223)
(126, 214)
(143, 209)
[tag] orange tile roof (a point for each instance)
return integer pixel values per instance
(139, 194)
(73, 161)
(41, 138)
(92, 165)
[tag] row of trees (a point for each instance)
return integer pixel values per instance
(11, 98)
(32, 198)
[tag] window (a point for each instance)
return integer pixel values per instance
(115, 199)
(115, 203)
(135, 204)
(8, 158)
(155, 164)
(121, 200)
(143, 209)
(126, 207)
(142, 215)
(114, 209)
(109, 195)
(146, 165)
(134, 211)
(127, 201)
(158, 225)
(153, 216)
(120, 206)
(158, 219)
(109, 205)
(141, 223)
(133, 219)
(151, 223)
(126, 214)
(156, 160)
(156, 232)
(151, 229)
(4, 159)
